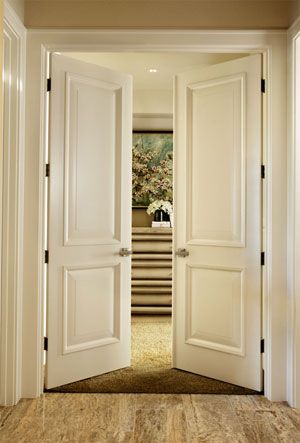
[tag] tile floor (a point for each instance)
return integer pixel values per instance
(148, 418)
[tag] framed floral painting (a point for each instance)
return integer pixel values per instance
(152, 167)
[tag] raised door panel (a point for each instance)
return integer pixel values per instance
(92, 156)
(216, 187)
(215, 308)
(91, 307)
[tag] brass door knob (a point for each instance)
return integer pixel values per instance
(182, 252)
(125, 252)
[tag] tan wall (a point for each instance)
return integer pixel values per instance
(204, 14)
(294, 11)
(140, 218)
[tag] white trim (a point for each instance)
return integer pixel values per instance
(156, 122)
(12, 247)
(293, 361)
(294, 28)
(272, 45)
(10, 16)
(126, 31)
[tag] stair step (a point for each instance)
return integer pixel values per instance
(151, 310)
(151, 283)
(151, 264)
(151, 300)
(148, 256)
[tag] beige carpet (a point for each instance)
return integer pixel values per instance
(151, 370)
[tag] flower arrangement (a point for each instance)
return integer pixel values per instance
(160, 205)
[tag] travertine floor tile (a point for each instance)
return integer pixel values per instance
(161, 401)
(215, 420)
(263, 421)
(242, 402)
(177, 425)
(134, 418)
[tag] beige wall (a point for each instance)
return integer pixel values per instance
(152, 101)
(1, 64)
(196, 14)
(1, 61)
(1, 138)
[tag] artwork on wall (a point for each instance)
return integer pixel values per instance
(152, 167)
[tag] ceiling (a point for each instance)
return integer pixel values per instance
(167, 64)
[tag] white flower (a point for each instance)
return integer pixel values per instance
(163, 205)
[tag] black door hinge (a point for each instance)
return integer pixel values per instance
(262, 259)
(46, 256)
(47, 169)
(45, 343)
(263, 171)
(262, 345)
(48, 84)
(263, 85)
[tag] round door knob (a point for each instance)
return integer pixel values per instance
(182, 252)
(125, 252)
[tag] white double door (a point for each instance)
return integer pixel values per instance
(217, 281)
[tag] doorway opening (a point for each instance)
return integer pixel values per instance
(151, 274)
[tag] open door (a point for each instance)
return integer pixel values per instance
(88, 315)
(217, 276)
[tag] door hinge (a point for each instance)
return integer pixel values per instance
(262, 259)
(263, 171)
(263, 85)
(46, 256)
(262, 345)
(48, 84)
(47, 169)
(45, 343)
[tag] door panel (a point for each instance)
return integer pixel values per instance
(211, 288)
(93, 141)
(217, 166)
(88, 318)
(217, 300)
(91, 307)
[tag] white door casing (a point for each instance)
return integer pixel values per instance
(88, 312)
(272, 46)
(12, 206)
(217, 301)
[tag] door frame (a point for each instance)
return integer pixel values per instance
(272, 46)
(11, 214)
(293, 374)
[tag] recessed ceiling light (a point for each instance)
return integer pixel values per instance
(152, 70)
